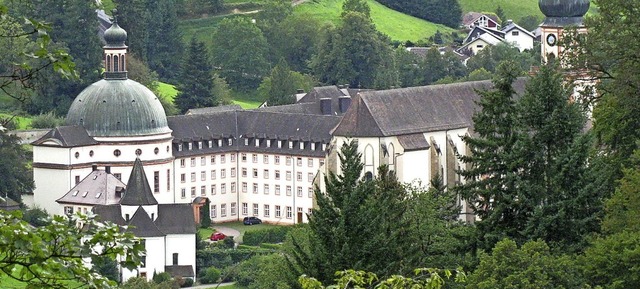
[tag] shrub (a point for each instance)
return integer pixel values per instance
(209, 275)
(229, 242)
(46, 120)
(36, 217)
(188, 282)
(275, 234)
(162, 277)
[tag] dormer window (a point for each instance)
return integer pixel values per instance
(230, 141)
(200, 145)
(210, 144)
(246, 141)
(268, 143)
(190, 146)
(257, 142)
(219, 143)
(279, 144)
(313, 146)
(180, 147)
(324, 146)
(290, 144)
(301, 145)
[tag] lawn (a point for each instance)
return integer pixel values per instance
(246, 99)
(23, 122)
(167, 90)
(513, 9)
(396, 25)
(202, 28)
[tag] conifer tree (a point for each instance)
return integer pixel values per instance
(195, 82)
(165, 48)
(491, 169)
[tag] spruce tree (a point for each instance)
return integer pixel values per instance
(195, 81)
(134, 16)
(165, 48)
(490, 168)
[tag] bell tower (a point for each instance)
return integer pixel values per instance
(115, 51)
(559, 14)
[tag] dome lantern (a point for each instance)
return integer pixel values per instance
(115, 51)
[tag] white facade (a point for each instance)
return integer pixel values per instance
(519, 38)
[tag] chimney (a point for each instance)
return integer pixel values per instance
(300, 90)
(344, 102)
(325, 106)
(509, 22)
(107, 169)
(94, 168)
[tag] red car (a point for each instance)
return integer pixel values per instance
(217, 236)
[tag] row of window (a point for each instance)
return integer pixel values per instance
(223, 174)
(213, 190)
(266, 210)
(256, 141)
(254, 158)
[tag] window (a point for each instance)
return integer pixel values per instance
(203, 190)
(265, 174)
(479, 46)
(279, 144)
(266, 211)
(255, 173)
(213, 174)
(310, 192)
(288, 190)
(183, 193)
(233, 172)
(190, 146)
(277, 192)
(233, 158)
(182, 163)
(244, 172)
(213, 211)
(301, 145)
(210, 144)
(118, 176)
(213, 159)
(277, 174)
(289, 212)
(219, 143)
(255, 209)
(299, 176)
(193, 191)
(310, 162)
(288, 161)
(203, 175)
(515, 33)
(234, 208)
(222, 159)
(243, 157)
(255, 188)
(223, 210)
(223, 188)
(233, 187)
(299, 191)
(244, 187)
(156, 181)
(68, 210)
(313, 146)
(213, 189)
(230, 142)
(193, 162)
(278, 214)
(180, 147)
(117, 153)
(268, 143)
(290, 144)
(168, 180)
(288, 175)
(310, 177)
(254, 158)
(223, 173)
(309, 211)
(246, 141)
(299, 162)
(77, 179)
(266, 189)
(203, 160)
(276, 159)
(245, 209)
(200, 145)
(257, 142)
(193, 177)
(265, 159)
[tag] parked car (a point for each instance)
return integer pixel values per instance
(217, 236)
(251, 221)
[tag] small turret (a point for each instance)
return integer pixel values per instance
(115, 51)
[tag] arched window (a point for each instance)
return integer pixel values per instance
(108, 65)
(392, 154)
(115, 63)
(122, 63)
(368, 155)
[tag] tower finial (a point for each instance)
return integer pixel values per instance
(114, 11)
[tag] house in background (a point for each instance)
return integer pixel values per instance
(475, 19)
(481, 37)
(167, 230)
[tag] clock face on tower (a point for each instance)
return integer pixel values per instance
(551, 39)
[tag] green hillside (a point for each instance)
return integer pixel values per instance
(513, 9)
(396, 25)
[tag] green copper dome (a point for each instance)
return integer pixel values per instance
(115, 36)
(563, 12)
(113, 108)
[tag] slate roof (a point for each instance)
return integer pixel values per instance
(256, 124)
(138, 191)
(214, 109)
(470, 17)
(175, 219)
(110, 213)
(67, 136)
(8, 204)
(412, 142)
(141, 225)
(478, 31)
(97, 188)
(179, 270)
(512, 26)
(414, 110)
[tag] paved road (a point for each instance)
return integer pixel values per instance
(229, 232)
